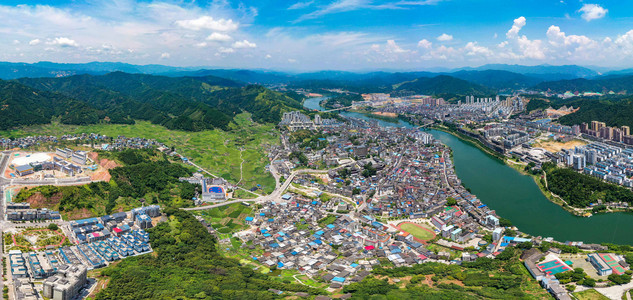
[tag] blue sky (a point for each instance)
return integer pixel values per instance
(320, 34)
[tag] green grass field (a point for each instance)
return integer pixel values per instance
(591, 294)
(417, 231)
(215, 150)
(227, 219)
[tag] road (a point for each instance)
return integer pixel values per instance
(215, 176)
(279, 190)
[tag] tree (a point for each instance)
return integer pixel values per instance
(620, 279)
(571, 287)
(510, 232)
(590, 282)
(503, 222)
(53, 226)
(450, 201)
(525, 245)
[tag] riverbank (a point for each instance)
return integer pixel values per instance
(519, 167)
(541, 182)
(475, 142)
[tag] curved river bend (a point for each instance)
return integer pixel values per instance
(517, 197)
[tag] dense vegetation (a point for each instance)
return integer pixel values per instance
(501, 278)
(614, 112)
(498, 79)
(617, 84)
(344, 100)
(183, 103)
(309, 139)
(187, 266)
(21, 105)
(146, 174)
(442, 84)
(580, 190)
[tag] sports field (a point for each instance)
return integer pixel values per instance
(418, 231)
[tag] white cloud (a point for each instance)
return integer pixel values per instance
(268, 56)
(592, 12)
(219, 37)
(63, 42)
(226, 50)
(339, 6)
(473, 49)
(34, 42)
(393, 47)
(389, 52)
(244, 44)
(423, 43)
(292, 60)
(208, 23)
(516, 27)
(165, 55)
(445, 37)
(301, 5)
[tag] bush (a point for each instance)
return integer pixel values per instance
(620, 279)
(590, 282)
(53, 226)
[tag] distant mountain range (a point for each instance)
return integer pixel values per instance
(483, 79)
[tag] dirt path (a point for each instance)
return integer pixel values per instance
(241, 167)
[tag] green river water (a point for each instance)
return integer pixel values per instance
(517, 197)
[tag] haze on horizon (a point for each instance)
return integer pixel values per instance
(317, 35)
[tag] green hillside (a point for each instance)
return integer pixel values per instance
(442, 85)
(182, 103)
(22, 105)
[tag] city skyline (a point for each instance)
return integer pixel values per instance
(317, 35)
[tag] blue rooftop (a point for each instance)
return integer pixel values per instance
(339, 279)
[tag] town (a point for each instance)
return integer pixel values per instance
(352, 196)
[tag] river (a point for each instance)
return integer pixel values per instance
(516, 197)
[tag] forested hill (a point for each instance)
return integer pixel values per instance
(184, 103)
(617, 84)
(22, 105)
(614, 112)
(443, 84)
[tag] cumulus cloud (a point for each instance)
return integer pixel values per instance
(208, 23)
(393, 47)
(516, 27)
(244, 44)
(592, 12)
(473, 49)
(34, 42)
(63, 42)
(423, 43)
(165, 55)
(445, 37)
(219, 37)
